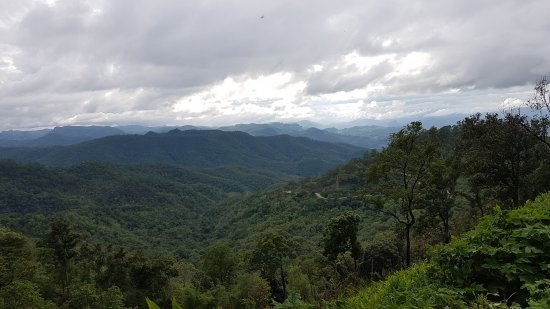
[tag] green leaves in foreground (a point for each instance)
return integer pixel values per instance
(151, 304)
(410, 288)
(505, 255)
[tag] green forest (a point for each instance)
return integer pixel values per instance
(455, 217)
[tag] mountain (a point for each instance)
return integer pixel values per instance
(199, 149)
(18, 135)
(265, 129)
(370, 136)
(138, 129)
(67, 135)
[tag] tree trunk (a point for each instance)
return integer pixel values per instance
(371, 268)
(445, 228)
(446, 232)
(408, 248)
(283, 282)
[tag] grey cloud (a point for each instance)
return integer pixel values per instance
(346, 78)
(76, 51)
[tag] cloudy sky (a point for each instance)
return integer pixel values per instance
(237, 61)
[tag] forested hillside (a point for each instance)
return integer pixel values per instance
(157, 208)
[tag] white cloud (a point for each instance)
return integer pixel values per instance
(511, 103)
(276, 94)
(167, 61)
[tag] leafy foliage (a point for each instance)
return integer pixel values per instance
(505, 254)
(411, 288)
(271, 256)
(341, 236)
(500, 156)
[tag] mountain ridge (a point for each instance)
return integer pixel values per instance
(198, 149)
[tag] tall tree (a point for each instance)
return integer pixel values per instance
(270, 257)
(15, 257)
(220, 264)
(400, 176)
(341, 236)
(63, 240)
(441, 193)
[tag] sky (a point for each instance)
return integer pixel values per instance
(164, 62)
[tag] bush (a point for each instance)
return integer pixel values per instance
(411, 288)
(505, 255)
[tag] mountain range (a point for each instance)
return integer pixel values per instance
(286, 154)
(68, 135)
(363, 136)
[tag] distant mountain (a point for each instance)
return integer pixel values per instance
(60, 136)
(363, 136)
(199, 149)
(138, 129)
(370, 136)
(18, 135)
(266, 129)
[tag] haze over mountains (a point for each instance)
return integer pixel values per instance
(57, 136)
(363, 136)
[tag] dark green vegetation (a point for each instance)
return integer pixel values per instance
(199, 149)
(434, 220)
(158, 207)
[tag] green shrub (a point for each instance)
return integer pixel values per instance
(505, 255)
(410, 288)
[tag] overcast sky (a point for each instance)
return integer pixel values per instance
(221, 62)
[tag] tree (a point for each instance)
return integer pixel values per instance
(341, 236)
(148, 276)
(500, 157)
(253, 291)
(441, 193)
(220, 264)
(15, 257)
(400, 176)
(540, 104)
(23, 294)
(270, 257)
(381, 255)
(63, 241)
